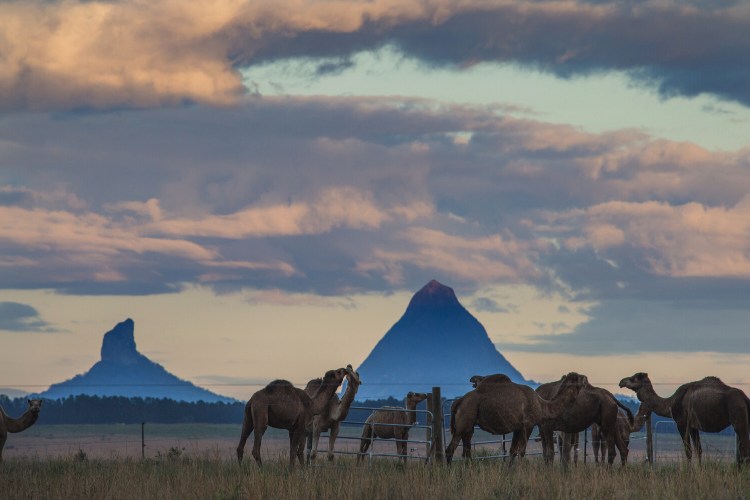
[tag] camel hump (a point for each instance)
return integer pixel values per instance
(488, 381)
(279, 385)
(313, 385)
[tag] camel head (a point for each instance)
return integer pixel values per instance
(352, 376)
(35, 405)
(475, 380)
(636, 382)
(334, 377)
(414, 398)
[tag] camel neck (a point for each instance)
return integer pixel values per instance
(321, 397)
(347, 399)
(411, 415)
(21, 423)
(565, 397)
(640, 418)
(659, 405)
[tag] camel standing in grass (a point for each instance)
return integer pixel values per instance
(707, 405)
(593, 405)
(283, 406)
(335, 411)
(391, 422)
(505, 407)
(624, 428)
(8, 424)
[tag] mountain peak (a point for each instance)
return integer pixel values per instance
(434, 295)
(118, 345)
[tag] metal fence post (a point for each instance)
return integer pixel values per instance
(649, 441)
(143, 440)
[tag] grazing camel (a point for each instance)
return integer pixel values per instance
(707, 405)
(624, 428)
(335, 411)
(283, 406)
(8, 424)
(593, 405)
(502, 408)
(391, 422)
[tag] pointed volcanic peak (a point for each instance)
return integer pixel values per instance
(123, 371)
(437, 342)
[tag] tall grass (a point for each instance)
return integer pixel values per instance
(176, 476)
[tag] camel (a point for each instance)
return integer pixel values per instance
(707, 405)
(504, 407)
(283, 406)
(335, 411)
(8, 424)
(391, 422)
(594, 405)
(624, 428)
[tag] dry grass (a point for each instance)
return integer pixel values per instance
(176, 476)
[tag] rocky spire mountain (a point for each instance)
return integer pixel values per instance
(123, 371)
(437, 342)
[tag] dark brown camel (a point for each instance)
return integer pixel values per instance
(624, 428)
(593, 405)
(707, 405)
(391, 422)
(335, 411)
(8, 424)
(506, 407)
(283, 406)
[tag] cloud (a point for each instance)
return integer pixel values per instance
(135, 54)
(16, 317)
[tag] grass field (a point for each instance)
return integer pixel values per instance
(198, 461)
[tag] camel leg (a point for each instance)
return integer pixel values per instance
(247, 428)
(466, 445)
(685, 435)
(611, 453)
(548, 444)
(296, 441)
(259, 431)
(451, 448)
(695, 437)
(402, 445)
(308, 446)
(622, 447)
(739, 423)
(3, 438)
(364, 442)
(331, 440)
(315, 440)
(518, 445)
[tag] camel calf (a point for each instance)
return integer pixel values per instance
(391, 422)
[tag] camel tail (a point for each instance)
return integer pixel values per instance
(454, 409)
(627, 411)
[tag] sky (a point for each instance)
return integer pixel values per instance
(262, 186)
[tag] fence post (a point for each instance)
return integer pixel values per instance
(437, 427)
(430, 445)
(649, 441)
(143, 440)
(585, 444)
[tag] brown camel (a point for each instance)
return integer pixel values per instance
(707, 405)
(283, 406)
(624, 428)
(505, 407)
(8, 424)
(391, 422)
(593, 405)
(335, 411)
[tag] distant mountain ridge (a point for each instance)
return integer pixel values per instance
(123, 371)
(437, 342)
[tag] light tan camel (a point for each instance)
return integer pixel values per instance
(335, 411)
(707, 405)
(283, 406)
(593, 405)
(8, 424)
(624, 428)
(505, 407)
(391, 422)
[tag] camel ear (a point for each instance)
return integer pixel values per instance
(410, 395)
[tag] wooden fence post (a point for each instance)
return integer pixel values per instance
(438, 445)
(430, 446)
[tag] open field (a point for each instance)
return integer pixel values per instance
(198, 461)
(207, 477)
